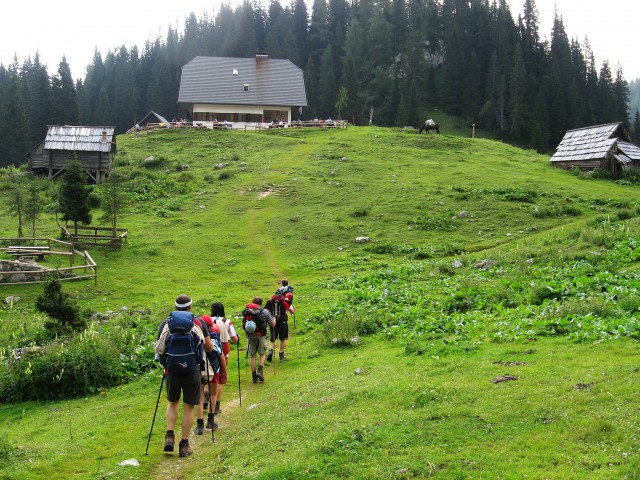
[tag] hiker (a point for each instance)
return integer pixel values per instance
(211, 375)
(181, 342)
(278, 305)
(254, 321)
(227, 334)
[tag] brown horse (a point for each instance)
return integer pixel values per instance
(427, 127)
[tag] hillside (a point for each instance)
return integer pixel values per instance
(482, 261)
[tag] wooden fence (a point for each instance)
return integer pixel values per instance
(33, 247)
(89, 236)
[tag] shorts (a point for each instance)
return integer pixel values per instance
(212, 379)
(188, 385)
(256, 344)
(279, 332)
(226, 348)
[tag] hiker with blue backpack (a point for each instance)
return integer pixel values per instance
(255, 320)
(181, 344)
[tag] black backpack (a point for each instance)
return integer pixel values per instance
(185, 350)
(276, 307)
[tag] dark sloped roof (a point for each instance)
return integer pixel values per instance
(590, 143)
(153, 117)
(85, 139)
(221, 80)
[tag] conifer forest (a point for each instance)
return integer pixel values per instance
(397, 61)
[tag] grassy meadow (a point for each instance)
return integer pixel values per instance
(488, 329)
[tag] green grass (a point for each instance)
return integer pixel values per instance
(560, 300)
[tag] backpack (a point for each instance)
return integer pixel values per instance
(213, 358)
(278, 305)
(252, 314)
(185, 350)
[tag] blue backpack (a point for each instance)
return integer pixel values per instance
(185, 350)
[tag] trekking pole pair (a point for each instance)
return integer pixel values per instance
(146, 452)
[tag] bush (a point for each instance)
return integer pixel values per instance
(342, 330)
(225, 175)
(64, 312)
(85, 365)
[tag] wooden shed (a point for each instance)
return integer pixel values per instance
(95, 148)
(607, 147)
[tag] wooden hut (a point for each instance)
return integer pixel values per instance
(94, 147)
(607, 147)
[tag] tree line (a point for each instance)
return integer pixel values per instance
(388, 61)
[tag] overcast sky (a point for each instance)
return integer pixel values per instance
(75, 28)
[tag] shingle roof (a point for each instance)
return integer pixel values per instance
(629, 149)
(85, 139)
(590, 143)
(222, 80)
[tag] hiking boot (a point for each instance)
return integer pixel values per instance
(169, 440)
(270, 356)
(184, 449)
(254, 377)
(282, 357)
(217, 410)
(260, 375)
(211, 424)
(200, 428)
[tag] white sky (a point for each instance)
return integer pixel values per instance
(75, 28)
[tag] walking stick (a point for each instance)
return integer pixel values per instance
(239, 389)
(295, 340)
(211, 399)
(146, 452)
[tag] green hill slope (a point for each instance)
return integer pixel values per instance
(481, 261)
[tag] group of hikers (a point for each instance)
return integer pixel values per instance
(194, 352)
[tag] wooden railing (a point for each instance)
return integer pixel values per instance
(40, 247)
(88, 236)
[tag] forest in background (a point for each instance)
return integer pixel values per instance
(397, 61)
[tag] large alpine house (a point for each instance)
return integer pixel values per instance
(606, 147)
(241, 91)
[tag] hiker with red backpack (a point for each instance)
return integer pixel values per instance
(215, 369)
(181, 344)
(227, 334)
(254, 322)
(278, 305)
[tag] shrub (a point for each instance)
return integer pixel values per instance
(624, 214)
(361, 212)
(155, 162)
(225, 175)
(342, 330)
(63, 311)
(85, 365)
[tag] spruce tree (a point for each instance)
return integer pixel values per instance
(74, 195)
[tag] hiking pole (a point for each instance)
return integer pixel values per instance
(239, 389)
(146, 452)
(295, 340)
(211, 399)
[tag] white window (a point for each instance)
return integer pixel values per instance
(235, 72)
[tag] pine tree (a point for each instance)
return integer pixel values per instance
(14, 130)
(64, 103)
(636, 126)
(74, 195)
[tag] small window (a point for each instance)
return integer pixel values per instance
(235, 71)
(245, 87)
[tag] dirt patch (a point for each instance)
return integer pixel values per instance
(266, 193)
